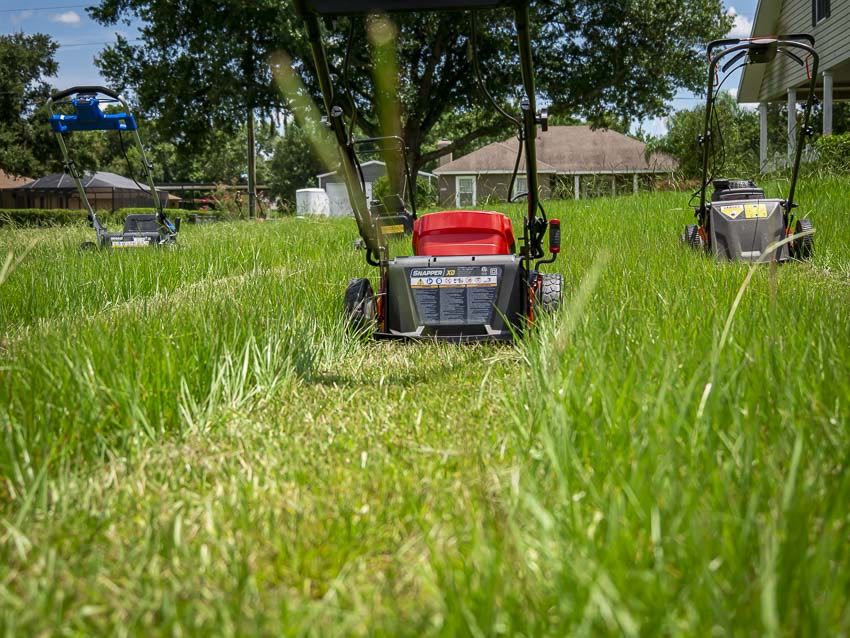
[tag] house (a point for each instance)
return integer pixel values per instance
(105, 191)
(783, 79)
(8, 182)
(334, 185)
(572, 161)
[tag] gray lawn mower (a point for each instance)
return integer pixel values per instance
(140, 230)
(740, 223)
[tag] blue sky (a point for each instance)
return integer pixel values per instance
(81, 38)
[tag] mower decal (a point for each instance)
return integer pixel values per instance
(397, 229)
(136, 242)
(732, 212)
(462, 295)
(755, 211)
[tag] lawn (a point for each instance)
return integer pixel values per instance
(192, 443)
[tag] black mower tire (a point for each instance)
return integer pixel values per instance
(360, 307)
(551, 291)
(87, 246)
(803, 246)
(691, 237)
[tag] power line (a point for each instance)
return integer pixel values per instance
(92, 44)
(64, 6)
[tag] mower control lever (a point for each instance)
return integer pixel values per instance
(554, 236)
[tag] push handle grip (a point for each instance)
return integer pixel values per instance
(85, 89)
(554, 236)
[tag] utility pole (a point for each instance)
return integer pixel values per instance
(252, 165)
(252, 145)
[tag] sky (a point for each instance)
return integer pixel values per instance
(81, 38)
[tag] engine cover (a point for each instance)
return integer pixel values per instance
(744, 229)
(456, 298)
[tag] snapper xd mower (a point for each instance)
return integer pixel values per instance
(85, 102)
(740, 223)
(466, 280)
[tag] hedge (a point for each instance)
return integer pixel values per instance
(63, 217)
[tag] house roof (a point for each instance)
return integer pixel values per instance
(12, 181)
(572, 150)
(99, 179)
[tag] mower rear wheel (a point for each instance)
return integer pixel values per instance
(88, 245)
(803, 246)
(551, 291)
(691, 237)
(360, 307)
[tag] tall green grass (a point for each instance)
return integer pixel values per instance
(194, 445)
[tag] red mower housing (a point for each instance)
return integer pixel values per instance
(457, 233)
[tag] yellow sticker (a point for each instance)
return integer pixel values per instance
(393, 230)
(755, 211)
(732, 212)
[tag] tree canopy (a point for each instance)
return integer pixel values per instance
(25, 61)
(198, 65)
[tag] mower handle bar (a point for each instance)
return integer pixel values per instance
(790, 38)
(86, 89)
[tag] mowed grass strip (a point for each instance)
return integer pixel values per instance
(235, 463)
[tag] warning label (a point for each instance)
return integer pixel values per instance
(452, 296)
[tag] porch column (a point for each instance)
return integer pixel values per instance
(613, 185)
(827, 102)
(635, 183)
(763, 137)
(792, 123)
(576, 185)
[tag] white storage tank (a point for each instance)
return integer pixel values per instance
(312, 201)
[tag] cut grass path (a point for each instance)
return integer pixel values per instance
(192, 444)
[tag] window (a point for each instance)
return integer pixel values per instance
(520, 186)
(465, 188)
(820, 11)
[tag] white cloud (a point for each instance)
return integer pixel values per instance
(742, 26)
(69, 17)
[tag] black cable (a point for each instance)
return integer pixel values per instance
(154, 195)
(477, 71)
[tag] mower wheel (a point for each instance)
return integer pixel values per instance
(803, 247)
(88, 245)
(691, 237)
(551, 287)
(360, 307)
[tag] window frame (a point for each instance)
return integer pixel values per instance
(817, 15)
(458, 180)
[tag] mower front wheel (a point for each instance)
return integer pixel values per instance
(360, 307)
(802, 247)
(692, 237)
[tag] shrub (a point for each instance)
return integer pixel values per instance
(426, 193)
(834, 153)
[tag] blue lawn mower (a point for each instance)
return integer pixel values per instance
(86, 102)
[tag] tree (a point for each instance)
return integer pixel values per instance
(201, 67)
(25, 60)
(603, 60)
(735, 133)
(294, 165)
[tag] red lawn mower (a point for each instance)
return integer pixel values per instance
(466, 280)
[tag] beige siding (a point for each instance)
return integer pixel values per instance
(831, 42)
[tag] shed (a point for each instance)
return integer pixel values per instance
(334, 185)
(571, 161)
(106, 191)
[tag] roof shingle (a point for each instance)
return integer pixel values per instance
(567, 150)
